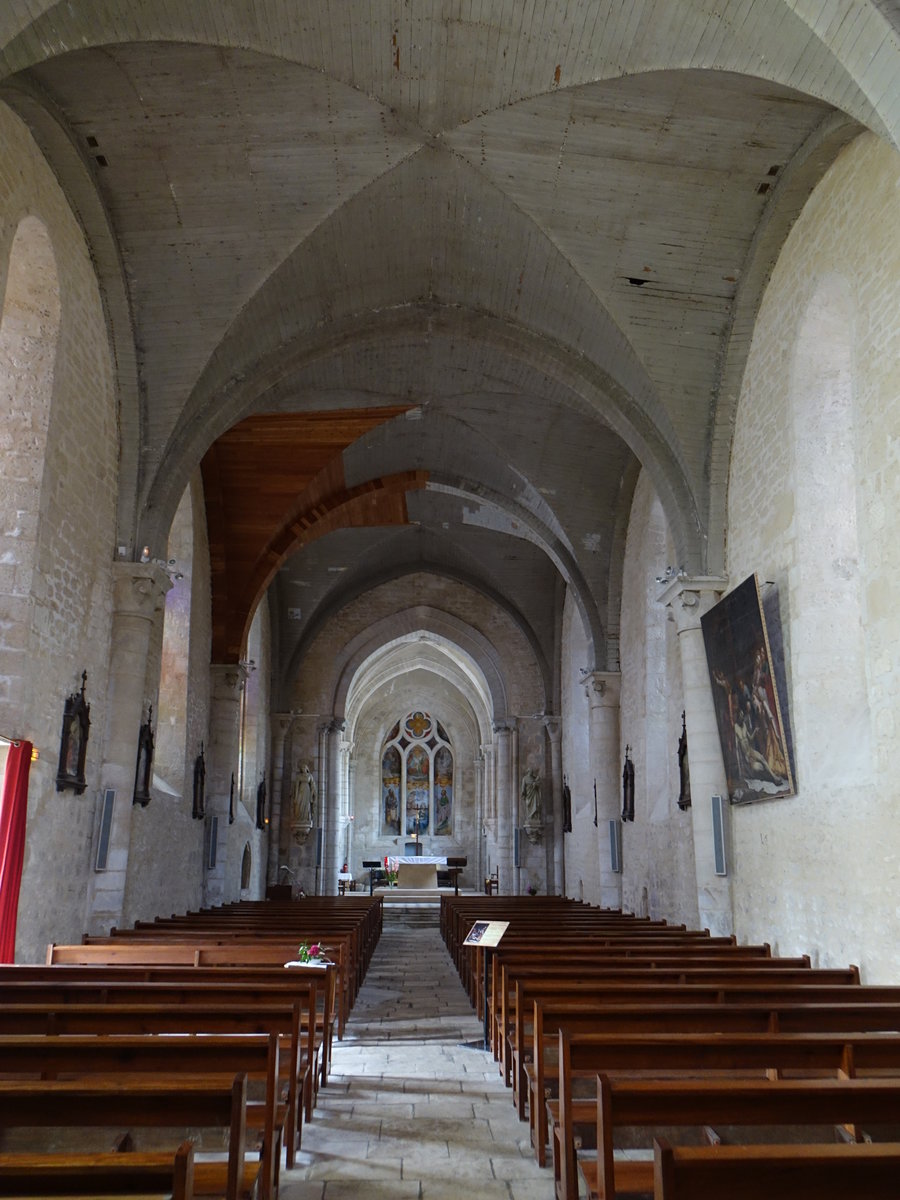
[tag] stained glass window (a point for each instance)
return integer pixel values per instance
(417, 778)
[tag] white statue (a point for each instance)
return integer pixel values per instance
(531, 797)
(303, 797)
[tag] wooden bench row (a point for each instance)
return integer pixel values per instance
(190, 1005)
(575, 1001)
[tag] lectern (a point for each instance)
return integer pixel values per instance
(372, 865)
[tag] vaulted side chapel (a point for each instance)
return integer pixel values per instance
(392, 389)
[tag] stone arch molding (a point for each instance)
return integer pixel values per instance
(441, 625)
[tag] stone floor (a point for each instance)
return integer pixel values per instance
(412, 1110)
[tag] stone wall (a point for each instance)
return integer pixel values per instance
(819, 872)
(60, 618)
(315, 685)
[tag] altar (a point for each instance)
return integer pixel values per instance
(416, 871)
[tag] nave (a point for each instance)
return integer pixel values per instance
(414, 1109)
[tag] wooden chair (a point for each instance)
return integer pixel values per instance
(492, 883)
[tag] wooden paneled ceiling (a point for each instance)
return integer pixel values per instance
(275, 482)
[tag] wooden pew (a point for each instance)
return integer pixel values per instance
(839, 1172)
(583, 949)
(585, 1055)
(112, 1174)
(576, 1044)
(508, 967)
(190, 985)
(167, 955)
(644, 1103)
(200, 951)
(190, 1103)
(121, 1057)
(115, 1020)
(734, 990)
(597, 985)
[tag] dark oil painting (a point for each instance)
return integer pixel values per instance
(748, 715)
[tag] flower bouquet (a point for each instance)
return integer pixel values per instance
(311, 953)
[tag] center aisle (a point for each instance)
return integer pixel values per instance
(410, 1111)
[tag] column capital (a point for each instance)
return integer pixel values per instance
(688, 597)
(553, 725)
(336, 725)
(603, 688)
(281, 722)
(139, 589)
(231, 677)
(503, 726)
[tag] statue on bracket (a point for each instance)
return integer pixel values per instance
(532, 804)
(304, 796)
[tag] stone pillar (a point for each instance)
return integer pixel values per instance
(280, 723)
(322, 784)
(480, 817)
(489, 805)
(348, 772)
(332, 811)
(603, 690)
(139, 601)
(556, 857)
(514, 820)
(505, 806)
(687, 600)
(227, 682)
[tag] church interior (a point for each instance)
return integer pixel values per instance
(452, 430)
(386, 365)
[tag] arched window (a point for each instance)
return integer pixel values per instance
(246, 866)
(417, 778)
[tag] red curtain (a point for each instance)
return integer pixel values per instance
(13, 809)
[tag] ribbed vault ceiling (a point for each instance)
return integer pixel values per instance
(524, 230)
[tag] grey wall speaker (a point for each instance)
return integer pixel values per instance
(109, 797)
(718, 828)
(319, 832)
(516, 862)
(615, 846)
(213, 846)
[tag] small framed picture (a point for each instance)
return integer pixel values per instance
(73, 741)
(143, 775)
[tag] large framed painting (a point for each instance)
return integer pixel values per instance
(748, 713)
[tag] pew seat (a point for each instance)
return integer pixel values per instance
(839, 1172)
(645, 1104)
(187, 1103)
(110, 1174)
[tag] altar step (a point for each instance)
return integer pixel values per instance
(413, 908)
(412, 916)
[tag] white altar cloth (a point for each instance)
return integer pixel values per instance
(414, 860)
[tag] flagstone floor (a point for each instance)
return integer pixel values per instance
(412, 1112)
